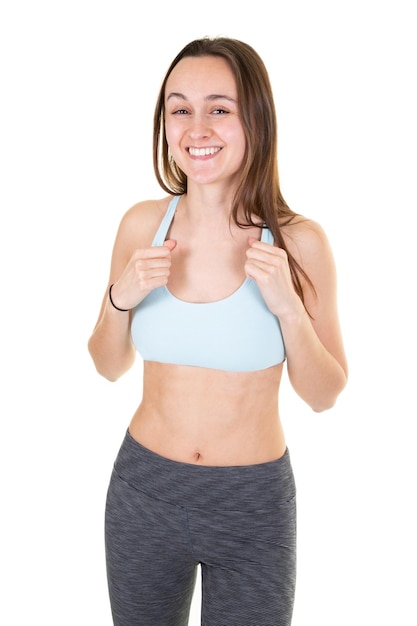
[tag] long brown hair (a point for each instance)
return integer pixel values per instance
(258, 191)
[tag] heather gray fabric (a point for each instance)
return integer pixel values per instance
(164, 518)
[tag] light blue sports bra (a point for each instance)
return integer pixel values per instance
(238, 333)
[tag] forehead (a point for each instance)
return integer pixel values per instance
(201, 75)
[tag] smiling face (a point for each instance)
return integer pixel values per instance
(202, 123)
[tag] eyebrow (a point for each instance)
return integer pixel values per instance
(210, 98)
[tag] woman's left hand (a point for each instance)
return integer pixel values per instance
(268, 266)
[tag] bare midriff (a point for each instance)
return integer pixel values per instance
(210, 417)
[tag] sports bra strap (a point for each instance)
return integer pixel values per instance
(161, 233)
(267, 236)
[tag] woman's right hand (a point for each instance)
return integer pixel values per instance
(146, 270)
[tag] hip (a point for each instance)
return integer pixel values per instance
(260, 486)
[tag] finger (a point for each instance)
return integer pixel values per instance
(155, 252)
(262, 256)
(146, 264)
(170, 244)
(260, 250)
(154, 272)
(256, 269)
(255, 244)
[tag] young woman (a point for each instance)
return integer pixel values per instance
(216, 285)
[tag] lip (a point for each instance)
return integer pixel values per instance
(207, 151)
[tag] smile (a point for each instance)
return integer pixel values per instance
(203, 151)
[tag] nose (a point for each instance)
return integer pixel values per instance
(199, 127)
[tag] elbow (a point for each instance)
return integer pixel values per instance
(105, 371)
(323, 406)
(328, 400)
(110, 368)
(112, 377)
(112, 371)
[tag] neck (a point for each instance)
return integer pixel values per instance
(206, 207)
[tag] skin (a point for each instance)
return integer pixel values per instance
(194, 414)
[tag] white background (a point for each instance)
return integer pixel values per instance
(78, 86)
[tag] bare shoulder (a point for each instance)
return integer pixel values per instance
(136, 230)
(307, 242)
(140, 223)
(309, 245)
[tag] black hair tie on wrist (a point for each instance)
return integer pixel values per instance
(111, 300)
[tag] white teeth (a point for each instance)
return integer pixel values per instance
(203, 151)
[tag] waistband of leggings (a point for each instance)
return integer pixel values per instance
(251, 487)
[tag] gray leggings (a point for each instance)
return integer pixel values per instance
(164, 518)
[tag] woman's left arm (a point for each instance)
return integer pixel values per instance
(316, 360)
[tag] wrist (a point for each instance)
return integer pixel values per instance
(113, 303)
(293, 316)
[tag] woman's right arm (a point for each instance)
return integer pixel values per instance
(134, 273)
